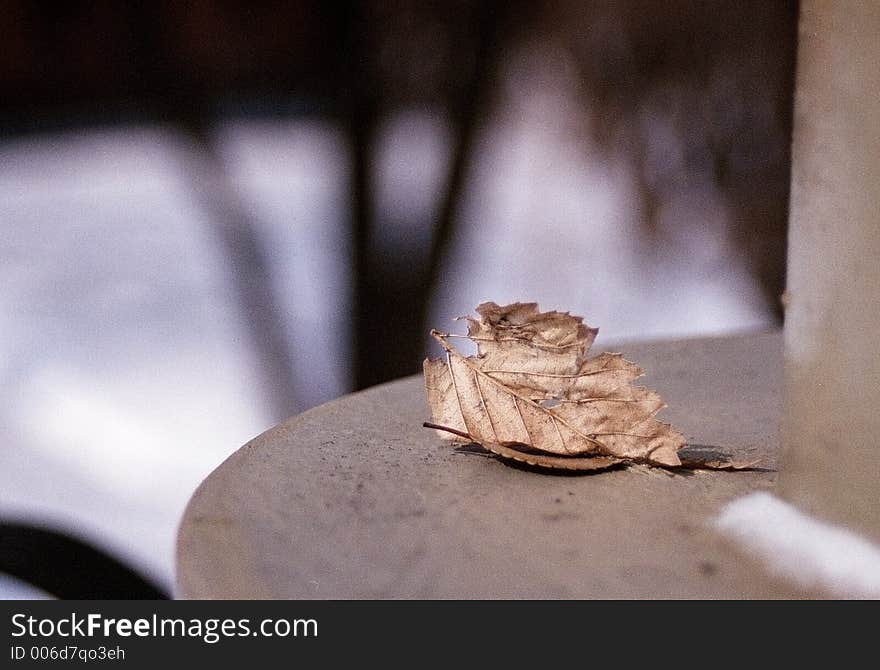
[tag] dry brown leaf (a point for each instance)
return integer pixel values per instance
(532, 394)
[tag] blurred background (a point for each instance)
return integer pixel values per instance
(215, 215)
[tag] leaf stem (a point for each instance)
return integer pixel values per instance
(454, 431)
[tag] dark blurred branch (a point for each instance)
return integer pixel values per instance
(359, 82)
(368, 317)
(391, 305)
(472, 108)
(244, 250)
(68, 568)
(249, 271)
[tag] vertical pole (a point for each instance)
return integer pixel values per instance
(831, 431)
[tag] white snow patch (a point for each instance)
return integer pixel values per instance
(813, 554)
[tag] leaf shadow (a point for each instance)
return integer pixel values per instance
(696, 454)
(693, 457)
(474, 449)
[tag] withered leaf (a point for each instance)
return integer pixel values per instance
(532, 394)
